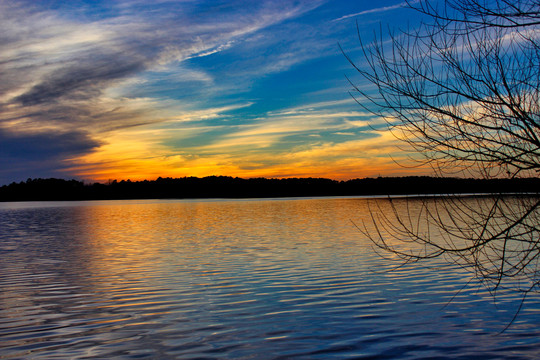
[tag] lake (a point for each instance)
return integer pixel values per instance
(236, 279)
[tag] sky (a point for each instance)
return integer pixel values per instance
(131, 89)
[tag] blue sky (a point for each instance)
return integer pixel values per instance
(99, 90)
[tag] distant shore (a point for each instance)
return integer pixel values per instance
(229, 187)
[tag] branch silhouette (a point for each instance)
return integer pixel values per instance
(462, 91)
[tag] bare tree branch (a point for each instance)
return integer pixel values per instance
(463, 91)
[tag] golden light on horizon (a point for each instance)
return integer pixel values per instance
(141, 155)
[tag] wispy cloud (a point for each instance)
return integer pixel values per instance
(378, 10)
(64, 74)
(132, 88)
(344, 160)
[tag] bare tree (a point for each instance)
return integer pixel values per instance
(463, 91)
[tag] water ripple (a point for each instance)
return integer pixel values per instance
(234, 280)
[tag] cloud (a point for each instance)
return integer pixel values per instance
(281, 48)
(277, 130)
(317, 105)
(82, 81)
(215, 50)
(31, 146)
(350, 159)
(111, 92)
(45, 57)
(378, 10)
(74, 70)
(46, 153)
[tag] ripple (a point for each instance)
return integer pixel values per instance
(237, 280)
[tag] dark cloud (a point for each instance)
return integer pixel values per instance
(40, 146)
(40, 154)
(82, 81)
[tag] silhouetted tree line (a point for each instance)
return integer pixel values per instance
(229, 187)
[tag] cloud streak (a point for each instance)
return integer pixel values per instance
(62, 72)
(137, 89)
(378, 10)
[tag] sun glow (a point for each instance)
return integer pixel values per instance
(142, 154)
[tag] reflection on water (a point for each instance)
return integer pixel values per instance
(263, 279)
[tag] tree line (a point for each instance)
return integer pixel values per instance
(234, 187)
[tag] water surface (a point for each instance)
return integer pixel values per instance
(235, 279)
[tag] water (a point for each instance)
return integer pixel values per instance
(235, 279)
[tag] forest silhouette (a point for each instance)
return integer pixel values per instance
(234, 187)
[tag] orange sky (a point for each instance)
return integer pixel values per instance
(106, 91)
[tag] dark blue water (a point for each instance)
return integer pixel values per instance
(251, 279)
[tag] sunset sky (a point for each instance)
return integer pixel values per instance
(99, 90)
